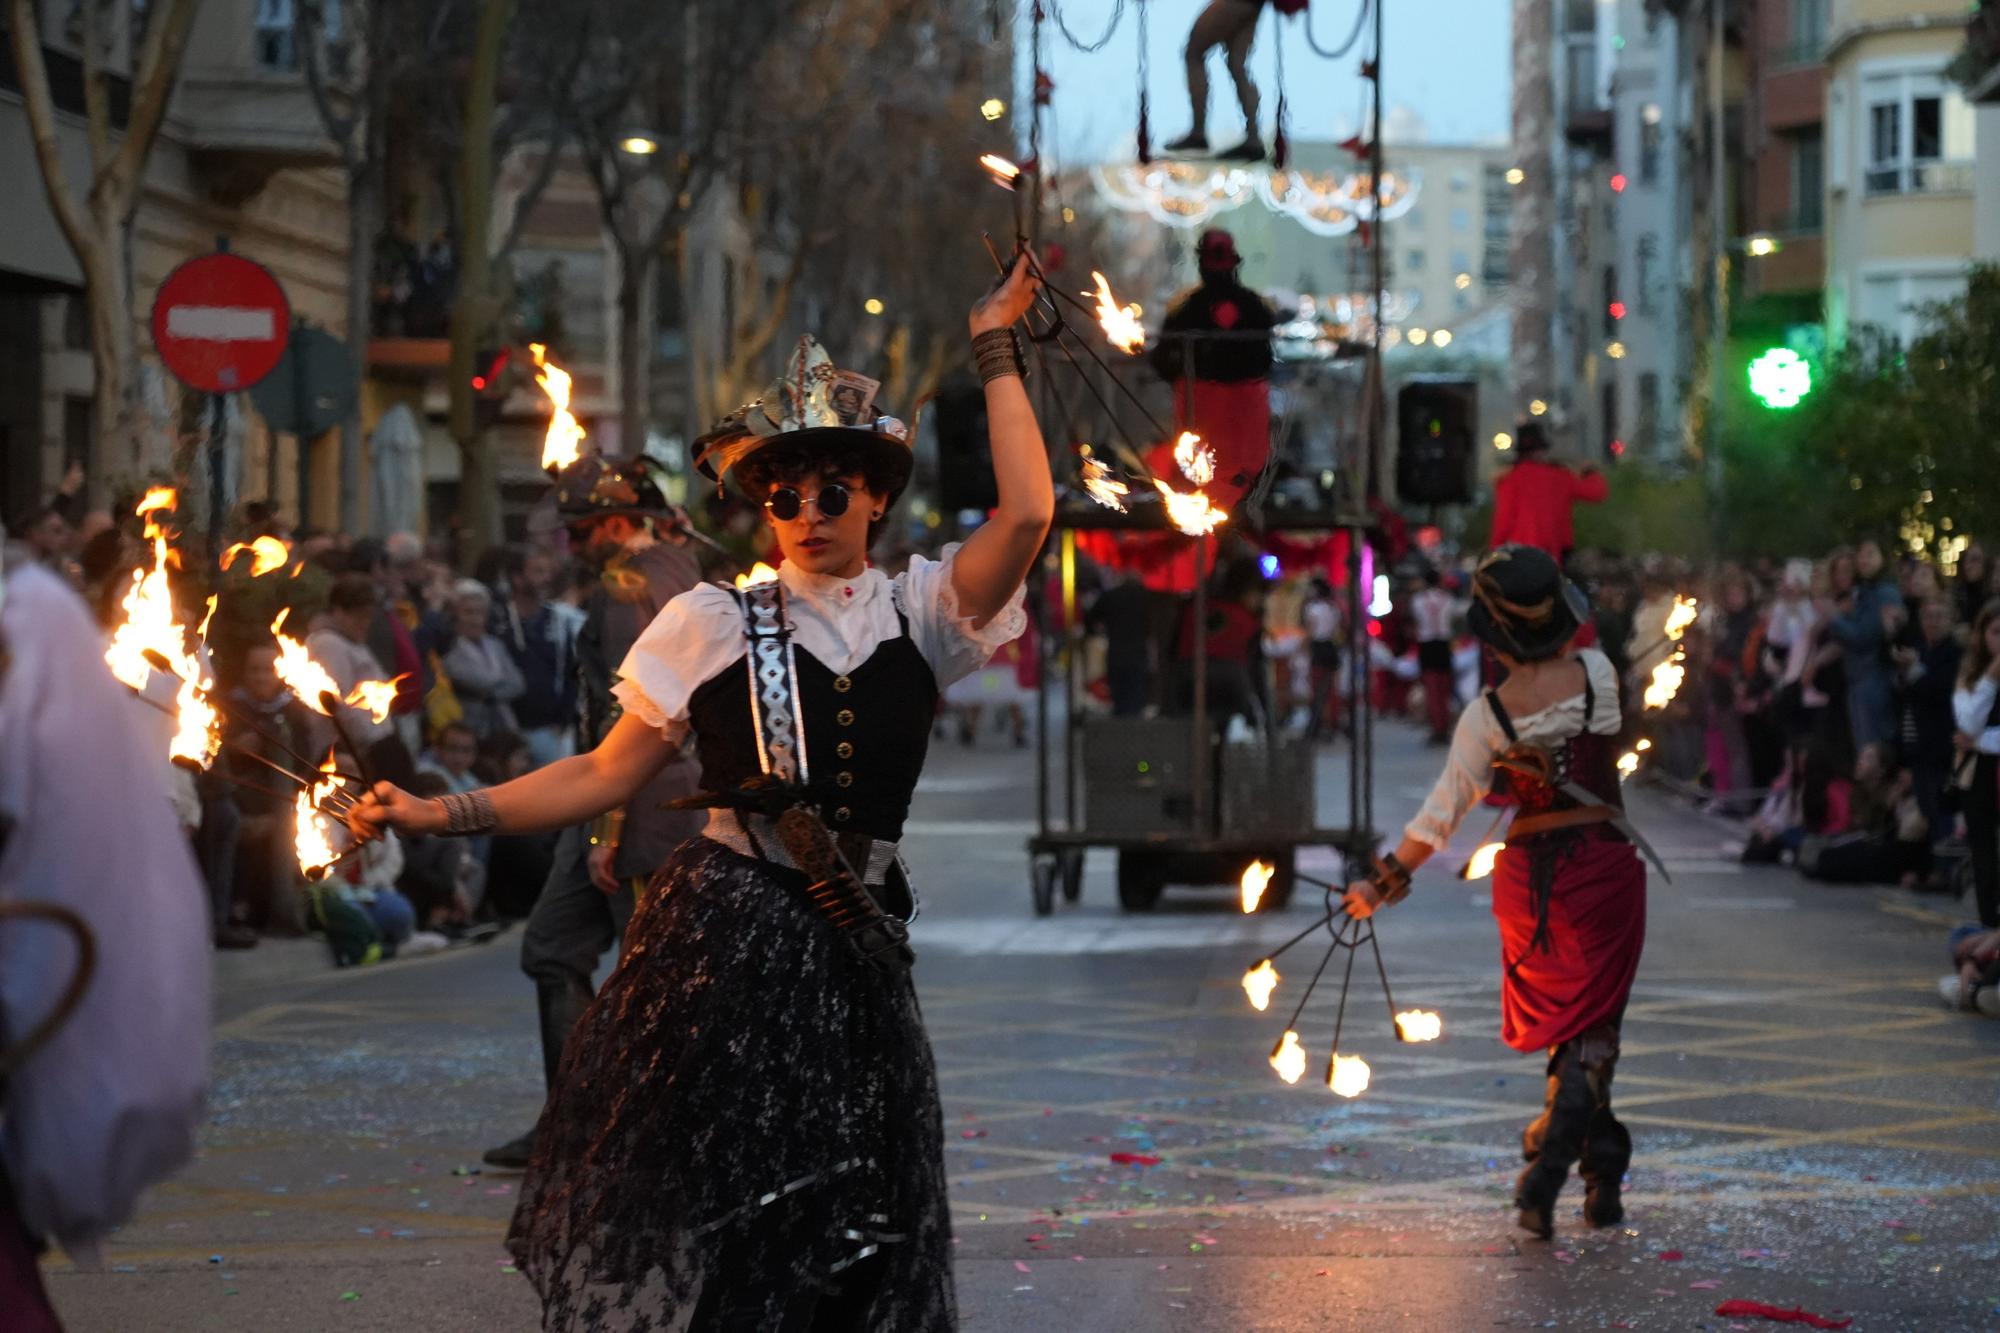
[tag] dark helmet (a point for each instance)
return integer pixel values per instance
(598, 487)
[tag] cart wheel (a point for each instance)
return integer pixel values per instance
(1072, 874)
(1042, 883)
(1284, 878)
(1140, 881)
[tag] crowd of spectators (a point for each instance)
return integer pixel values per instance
(486, 690)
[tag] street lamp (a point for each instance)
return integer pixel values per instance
(1760, 245)
(873, 305)
(1442, 338)
(639, 144)
(1418, 337)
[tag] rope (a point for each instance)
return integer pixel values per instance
(1090, 48)
(1360, 22)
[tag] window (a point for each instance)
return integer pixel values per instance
(1461, 262)
(1460, 182)
(1895, 300)
(1808, 182)
(275, 48)
(1612, 309)
(1808, 30)
(1647, 253)
(1649, 150)
(1608, 395)
(1461, 219)
(1649, 412)
(1413, 261)
(1919, 135)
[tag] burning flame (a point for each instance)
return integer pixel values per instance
(1256, 878)
(151, 626)
(759, 573)
(1289, 1058)
(300, 670)
(266, 554)
(1192, 514)
(1347, 1075)
(1481, 864)
(562, 445)
(1683, 615)
(1419, 1025)
(1101, 488)
(1258, 983)
(1665, 682)
(1195, 459)
(314, 837)
(1002, 171)
(1120, 323)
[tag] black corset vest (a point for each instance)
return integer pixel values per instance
(866, 733)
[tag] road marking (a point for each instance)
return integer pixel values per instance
(1070, 934)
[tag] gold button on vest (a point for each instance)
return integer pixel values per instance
(845, 717)
(842, 684)
(844, 750)
(844, 780)
(842, 815)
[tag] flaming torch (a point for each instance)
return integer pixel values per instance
(1256, 878)
(1192, 514)
(314, 829)
(759, 573)
(1289, 1058)
(1347, 1075)
(152, 631)
(311, 682)
(1004, 173)
(563, 444)
(1194, 458)
(1668, 675)
(1258, 983)
(1418, 1025)
(1098, 484)
(1120, 323)
(266, 554)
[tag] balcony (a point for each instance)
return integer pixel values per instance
(1586, 114)
(243, 109)
(1915, 178)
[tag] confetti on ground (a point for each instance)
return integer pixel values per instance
(1135, 1159)
(1780, 1315)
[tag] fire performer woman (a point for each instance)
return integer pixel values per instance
(1569, 890)
(746, 1130)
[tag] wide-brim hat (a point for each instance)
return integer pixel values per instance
(598, 487)
(1523, 606)
(815, 407)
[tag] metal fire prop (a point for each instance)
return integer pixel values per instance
(1347, 1075)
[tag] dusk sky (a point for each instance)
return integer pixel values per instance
(1446, 61)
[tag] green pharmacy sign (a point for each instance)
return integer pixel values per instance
(1780, 378)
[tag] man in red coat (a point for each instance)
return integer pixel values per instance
(1532, 503)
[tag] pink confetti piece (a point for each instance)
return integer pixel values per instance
(1020, 1267)
(1671, 1256)
(1706, 1284)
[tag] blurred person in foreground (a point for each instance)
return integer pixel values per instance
(1569, 890)
(746, 1132)
(107, 1101)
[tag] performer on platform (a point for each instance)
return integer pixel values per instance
(746, 1131)
(1569, 891)
(1231, 25)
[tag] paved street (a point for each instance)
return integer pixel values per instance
(1813, 1128)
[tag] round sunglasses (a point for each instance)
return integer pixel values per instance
(786, 503)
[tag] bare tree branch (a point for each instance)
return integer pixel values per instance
(24, 30)
(155, 70)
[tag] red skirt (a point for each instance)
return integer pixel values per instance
(1597, 927)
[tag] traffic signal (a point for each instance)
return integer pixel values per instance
(490, 386)
(1780, 378)
(1435, 420)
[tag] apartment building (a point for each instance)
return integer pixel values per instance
(241, 156)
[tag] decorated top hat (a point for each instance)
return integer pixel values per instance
(814, 406)
(1523, 606)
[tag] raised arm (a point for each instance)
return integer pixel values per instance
(994, 560)
(567, 792)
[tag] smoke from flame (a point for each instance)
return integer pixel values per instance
(563, 443)
(1289, 1059)
(1258, 983)
(1347, 1075)
(1419, 1025)
(1120, 323)
(1256, 878)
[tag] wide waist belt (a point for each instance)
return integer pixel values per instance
(756, 836)
(1526, 826)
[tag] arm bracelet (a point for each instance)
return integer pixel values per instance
(1390, 878)
(997, 354)
(468, 814)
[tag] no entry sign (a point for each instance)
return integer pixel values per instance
(220, 323)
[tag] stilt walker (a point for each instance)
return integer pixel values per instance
(746, 1132)
(1569, 890)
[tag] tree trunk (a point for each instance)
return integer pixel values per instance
(114, 358)
(363, 223)
(472, 304)
(1531, 277)
(636, 266)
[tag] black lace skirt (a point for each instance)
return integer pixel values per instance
(746, 1132)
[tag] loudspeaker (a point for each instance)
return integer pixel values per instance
(965, 454)
(1434, 424)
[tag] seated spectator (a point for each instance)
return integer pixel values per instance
(1809, 800)
(367, 879)
(1974, 984)
(483, 674)
(435, 870)
(1889, 841)
(453, 758)
(341, 646)
(267, 893)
